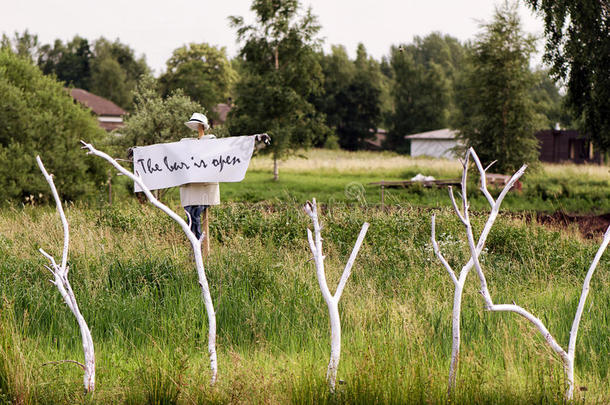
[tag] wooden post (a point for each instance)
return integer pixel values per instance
(382, 193)
(205, 227)
(110, 186)
(205, 222)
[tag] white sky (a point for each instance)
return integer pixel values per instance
(156, 27)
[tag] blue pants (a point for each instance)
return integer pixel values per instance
(195, 211)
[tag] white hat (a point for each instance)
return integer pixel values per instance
(196, 119)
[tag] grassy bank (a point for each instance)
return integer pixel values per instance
(133, 276)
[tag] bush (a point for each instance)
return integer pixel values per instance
(39, 117)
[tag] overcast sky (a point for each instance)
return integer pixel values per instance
(155, 28)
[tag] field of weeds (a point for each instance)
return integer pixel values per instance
(133, 276)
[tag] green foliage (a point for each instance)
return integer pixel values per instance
(280, 74)
(202, 71)
(15, 370)
(25, 45)
(115, 72)
(39, 117)
(109, 70)
(70, 62)
(156, 119)
(549, 103)
(424, 73)
(578, 49)
(497, 116)
(352, 98)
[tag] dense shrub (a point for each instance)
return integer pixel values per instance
(39, 117)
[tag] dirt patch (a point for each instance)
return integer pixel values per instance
(590, 226)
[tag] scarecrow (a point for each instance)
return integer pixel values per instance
(196, 198)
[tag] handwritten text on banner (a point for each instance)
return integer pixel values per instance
(193, 161)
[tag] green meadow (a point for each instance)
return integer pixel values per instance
(345, 177)
(132, 272)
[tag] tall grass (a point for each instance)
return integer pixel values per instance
(134, 279)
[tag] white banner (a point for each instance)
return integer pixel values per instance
(193, 161)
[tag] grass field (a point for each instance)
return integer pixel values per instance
(133, 276)
(340, 176)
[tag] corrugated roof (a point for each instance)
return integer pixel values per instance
(444, 133)
(99, 105)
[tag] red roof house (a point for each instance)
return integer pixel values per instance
(109, 115)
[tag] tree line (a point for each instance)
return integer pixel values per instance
(283, 83)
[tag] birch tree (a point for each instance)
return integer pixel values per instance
(332, 301)
(60, 275)
(568, 356)
(195, 243)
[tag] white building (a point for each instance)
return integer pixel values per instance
(434, 143)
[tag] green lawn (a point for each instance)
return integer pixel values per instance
(344, 177)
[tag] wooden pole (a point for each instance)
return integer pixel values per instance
(205, 223)
(110, 186)
(205, 227)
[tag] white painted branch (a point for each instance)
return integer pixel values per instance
(438, 253)
(60, 273)
(311, 209)
(465, 218)
(475, 251)
(332, 302)
(482, 171)
(195, 243)
(348, 267)
(580, 309)
(455, 206)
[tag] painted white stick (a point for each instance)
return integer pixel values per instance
(460, 281)
(567, 357)
(195, 243)
(60, 274)
(332, 301)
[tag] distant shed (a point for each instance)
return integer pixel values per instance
(566, 146)
(438, 143)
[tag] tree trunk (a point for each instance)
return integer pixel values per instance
(455, 348)
(209, 307)
(335, 343)
(276, 169)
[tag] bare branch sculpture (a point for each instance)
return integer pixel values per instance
(60, 274)
(459, 281)
(332, 301)
(566, 356)
(195, 243)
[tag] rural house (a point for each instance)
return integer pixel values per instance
(438, 143)
(109, 115)
(378, 140)
(220, 112)
(566, 146)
